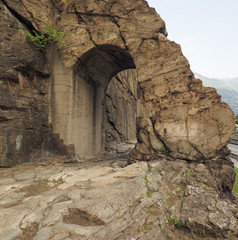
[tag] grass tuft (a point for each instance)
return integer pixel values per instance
(235, 187)
(35, 188)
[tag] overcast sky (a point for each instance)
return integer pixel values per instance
(207, 31)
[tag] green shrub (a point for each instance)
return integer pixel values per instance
(171, 220)
(178, 223)
(236, 119)
(166, 151)
(235, 187)
(50, 35)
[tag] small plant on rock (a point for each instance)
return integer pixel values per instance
(149, 192)
(235, 187)
(201, 234)
(150, 211)
(50, 35)
(171, 220)
(35, 188)
(166, 151)
(176, 223)
(179, 223)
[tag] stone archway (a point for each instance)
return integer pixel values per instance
(121, 111)
(79, 97)
(176, 113)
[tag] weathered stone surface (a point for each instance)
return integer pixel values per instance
(18, 55)
(25, 132)
(175, 116)
(104, 38)
(180, 108)
(121, 108)
(98, 200)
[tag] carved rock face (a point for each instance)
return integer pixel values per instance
(121, 106)
(175, 112)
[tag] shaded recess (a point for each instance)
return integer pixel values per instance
(121, 110)
(83, 218)
(97, 67)
(78, 106)
(101, 63)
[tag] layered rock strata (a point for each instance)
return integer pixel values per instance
(25, 133)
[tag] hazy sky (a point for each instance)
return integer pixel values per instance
(207, 31)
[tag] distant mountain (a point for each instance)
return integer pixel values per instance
(230, 97)
(226, 87)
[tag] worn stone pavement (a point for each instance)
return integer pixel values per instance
(104, 198)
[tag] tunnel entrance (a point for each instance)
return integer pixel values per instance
(93, 104)
(121, 110)
(107, 106)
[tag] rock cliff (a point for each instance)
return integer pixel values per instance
(25, 132)
(69, 99)
(173, 108)
(175, 114)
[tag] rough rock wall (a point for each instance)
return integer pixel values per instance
(25, 134)
(121, 107)
(175, 112)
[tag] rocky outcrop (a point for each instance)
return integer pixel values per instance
(25, 134)
(60, 93)
(175, 106)
(103, 39)
(18, 55)
(105, 199)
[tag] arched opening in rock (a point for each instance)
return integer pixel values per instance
(105, 112)
(121, 110)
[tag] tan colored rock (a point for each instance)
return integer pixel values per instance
(104, 38)
(187, 118)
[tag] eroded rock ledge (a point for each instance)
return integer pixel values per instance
(164, 199)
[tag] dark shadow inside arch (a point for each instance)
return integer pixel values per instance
(101, 63)
(121, 112)
(92, 74)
